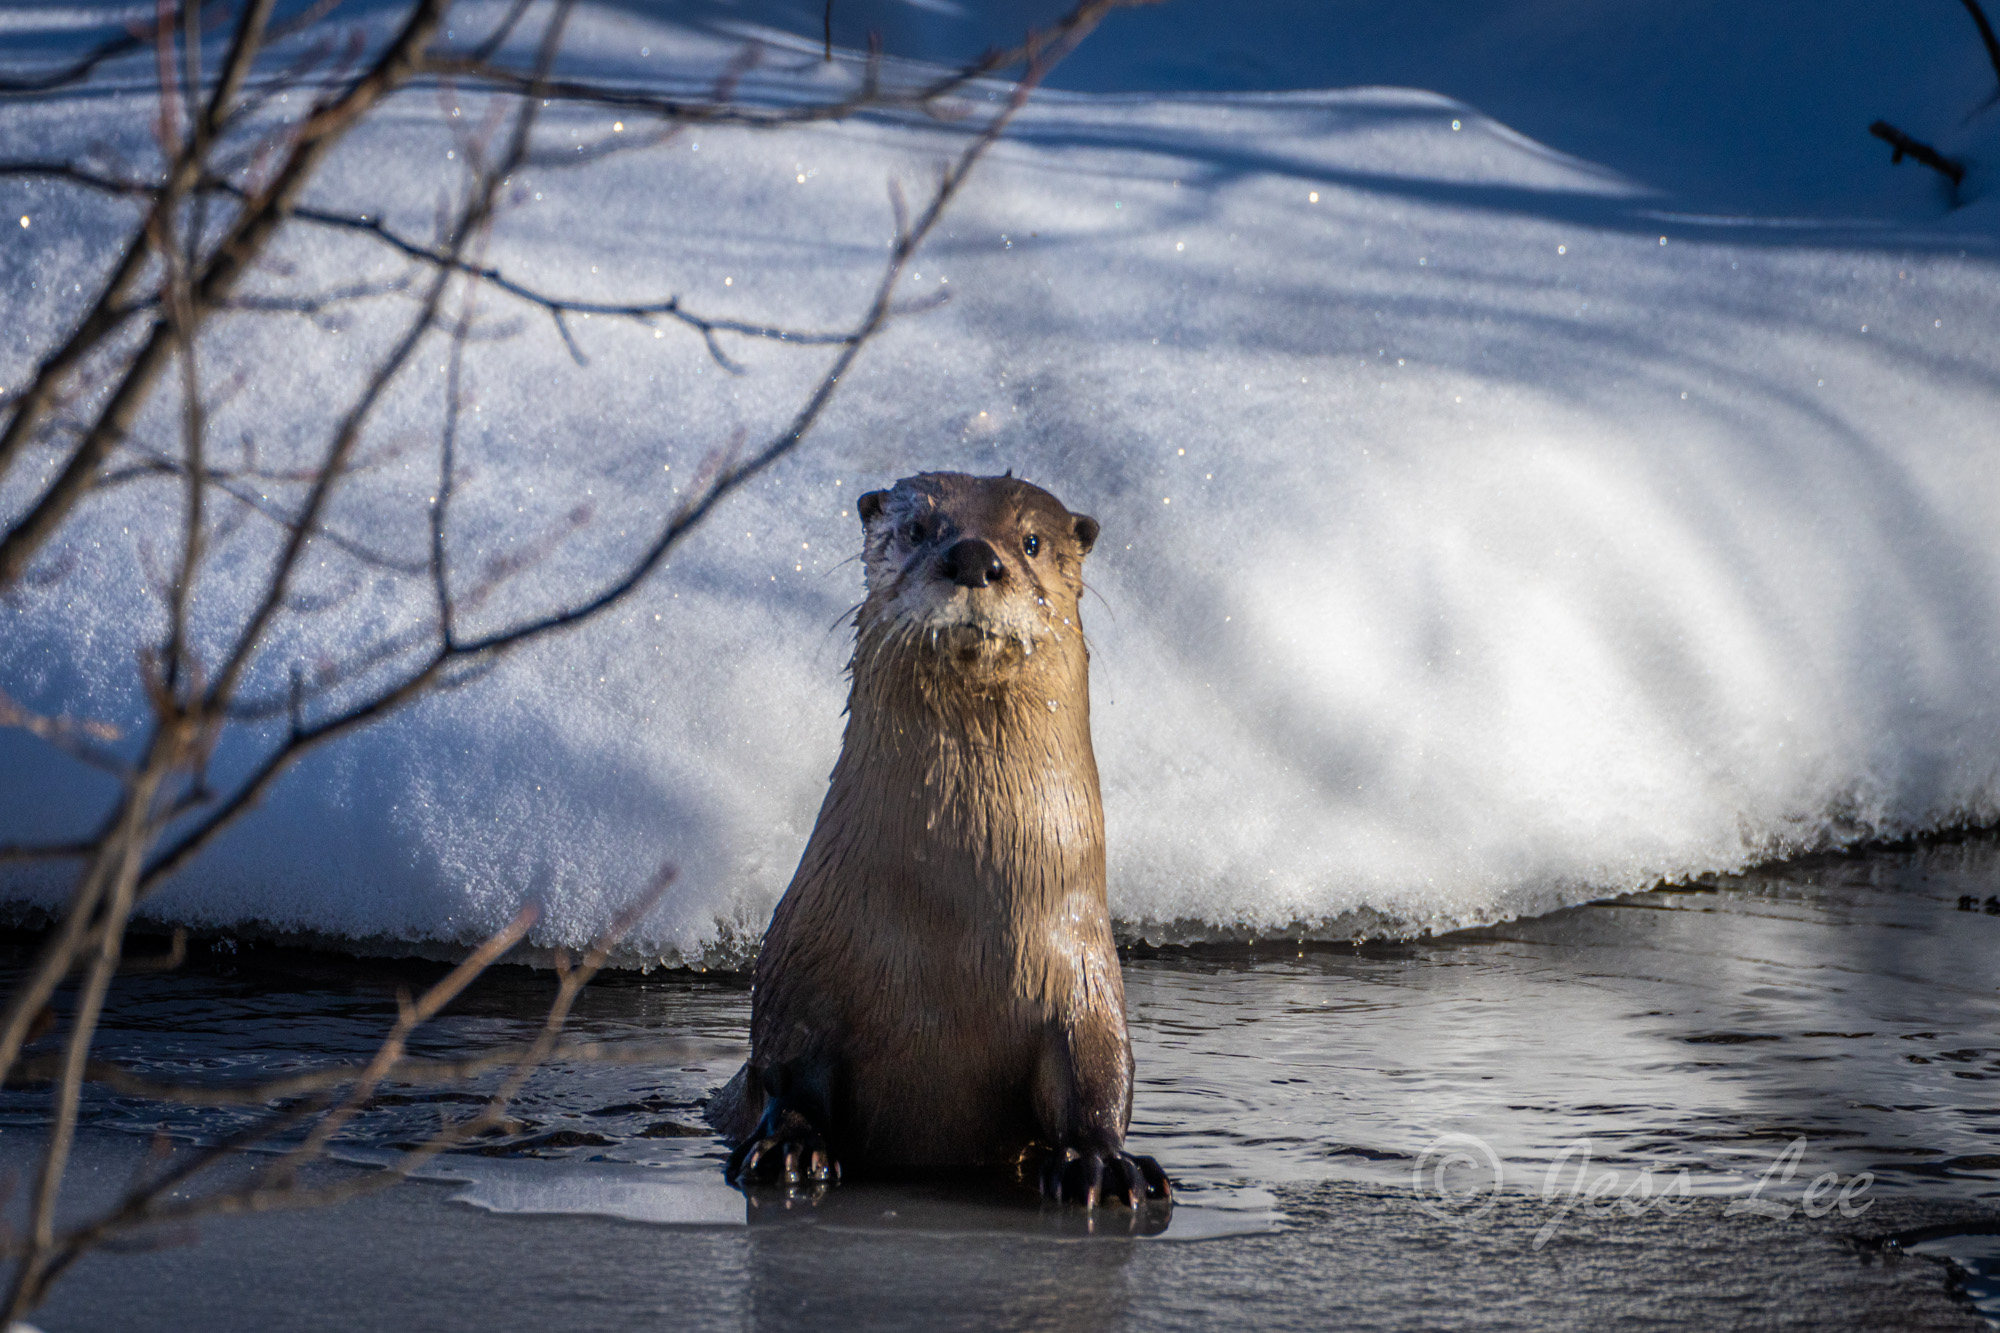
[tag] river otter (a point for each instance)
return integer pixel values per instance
(939, 986)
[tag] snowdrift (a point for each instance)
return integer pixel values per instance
(1485, 528)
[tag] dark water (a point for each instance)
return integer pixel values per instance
(1763, 1101)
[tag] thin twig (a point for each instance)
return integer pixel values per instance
(110, 309)
(155, 1201)
(694, 508)
(1905, 146)
(135, 38)
(1985, 34)
(76, 175)
(112, 881)
(140, 1201)
(48, 851)
(181, 319)
(244, 241)
(83, 740)
(475, 216)
(560, 306)
(498, 37)
(129, 830)
(318, 304)
(440, 507)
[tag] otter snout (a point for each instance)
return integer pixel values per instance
(972, 563)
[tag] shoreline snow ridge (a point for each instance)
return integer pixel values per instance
(1484, 530)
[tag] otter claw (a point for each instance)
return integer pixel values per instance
(1099, 1179)
(774, 1161)
(1130, 1183)
(1093, 1179)
(1157, 1184)
(786, 1148)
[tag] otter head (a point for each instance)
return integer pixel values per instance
(977, 576)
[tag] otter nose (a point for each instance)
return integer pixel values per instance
(972, 563)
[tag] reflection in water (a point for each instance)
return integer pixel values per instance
(803, 1260)
(1848, 1002)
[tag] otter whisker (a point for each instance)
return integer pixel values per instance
(844, 618)
(1102, 600)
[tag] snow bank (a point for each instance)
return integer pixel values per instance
(1484, 529)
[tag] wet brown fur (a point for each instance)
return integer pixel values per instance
(944, 953)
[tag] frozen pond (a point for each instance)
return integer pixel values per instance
(1830, 1020)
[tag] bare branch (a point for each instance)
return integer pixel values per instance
(43, 1263)
(725, 478)
(110, 309)
(246, 238)
(559, 306)
(52, 851)
(100, 904)
(181, 319)
(124, 44)
(1986, 34)
(166, 789)
(154, 1201)
(476, 214)
(76, 175)
(562, 327)
(316, 305)
(440, 507)
(697, 505)
(231, 483)
(1905, 146)
(82, 740)
(112, 881)
(498, 37)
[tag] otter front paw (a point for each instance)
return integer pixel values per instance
(1103, 1175)
(786, 1150)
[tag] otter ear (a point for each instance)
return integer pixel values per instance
(869, 506)
(1086, 532)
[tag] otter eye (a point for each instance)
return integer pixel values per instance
(1032, 545)
(915, 533)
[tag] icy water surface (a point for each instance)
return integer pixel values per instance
(1799, 1065)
